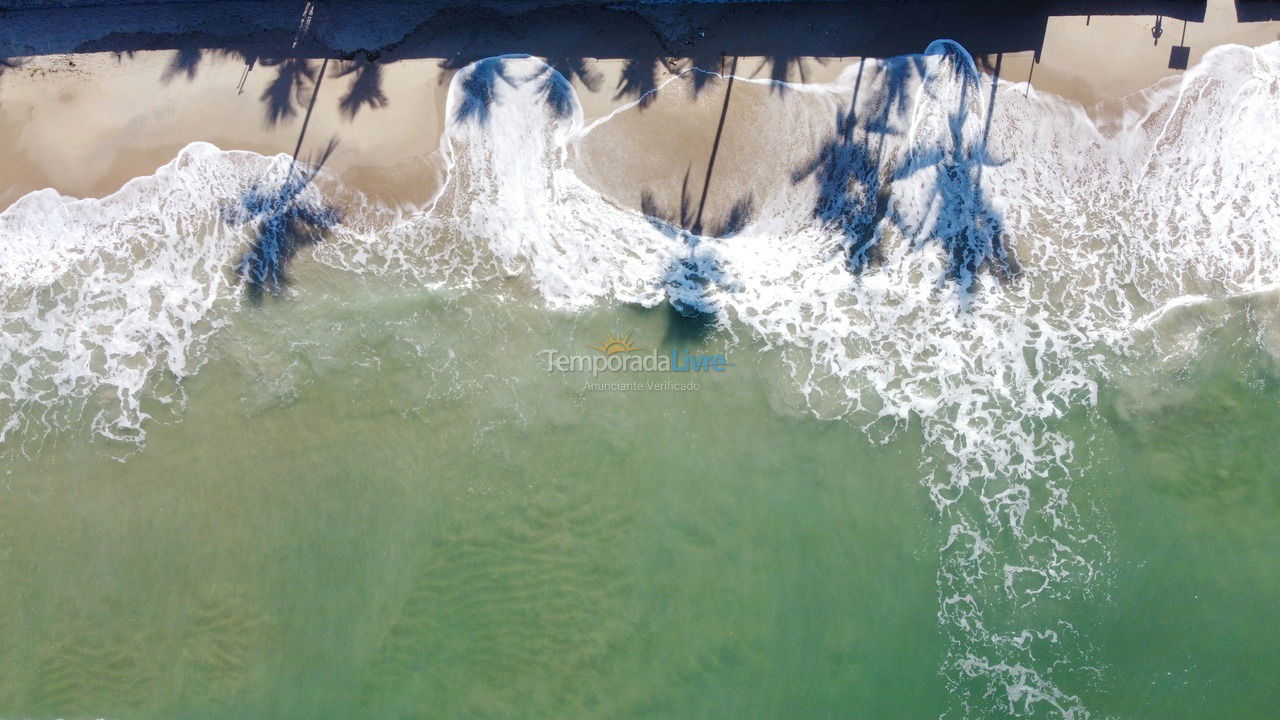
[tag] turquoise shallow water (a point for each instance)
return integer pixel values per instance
(323, 534)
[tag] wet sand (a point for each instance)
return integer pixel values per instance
(84, 123)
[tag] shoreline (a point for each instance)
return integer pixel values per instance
(124, 103)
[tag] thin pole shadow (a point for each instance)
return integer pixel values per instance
(286, 218)
(715, 148)
(244, 76)
(991, 108)
(315, 92)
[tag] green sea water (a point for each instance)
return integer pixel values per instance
(989, 443)
(377, 502)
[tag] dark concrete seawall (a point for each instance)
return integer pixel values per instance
(30, 4)
(46, 4)
(386, 29)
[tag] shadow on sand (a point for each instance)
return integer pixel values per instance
(652, 41)
(365, 88)
(295, 78)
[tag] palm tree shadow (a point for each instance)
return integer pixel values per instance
(286, 219)
(639, 79)
(893, 99)
(283, 94)
(705, 67)
(968, 226)
(853, 191)
(782, 68)
(855, 182)
(554, 82)
(572, 68)
(479, 88)
(696, 271)
(365, 89)
(186, 61)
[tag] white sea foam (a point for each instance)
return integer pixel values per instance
(970, 257)
(105, 299)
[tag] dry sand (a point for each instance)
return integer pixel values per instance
(1091, 59)
(85, 123)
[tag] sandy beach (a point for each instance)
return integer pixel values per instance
(83, 123)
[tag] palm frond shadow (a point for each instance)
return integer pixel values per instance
(785, 69)
(479, 88)
(286, 219)
(855, 178)
(705, 66)
(554, 82)
(639, 80)
(853, 191)
(289, 89)
(968, 226)
(186, 61)
(365, 89)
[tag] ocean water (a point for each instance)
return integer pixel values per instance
(993, 438)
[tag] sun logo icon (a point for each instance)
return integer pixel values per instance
(614, 344)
